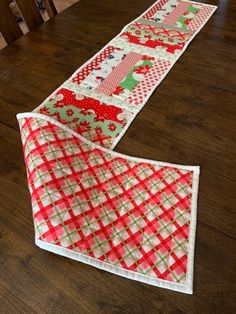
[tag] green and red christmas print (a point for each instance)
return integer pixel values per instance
(98, 122)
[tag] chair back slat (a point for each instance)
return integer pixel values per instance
(30, 13)
(8, 25)
(50, 8)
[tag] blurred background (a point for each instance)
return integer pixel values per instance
(59, 4)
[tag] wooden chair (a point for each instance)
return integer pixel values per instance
(30, 13)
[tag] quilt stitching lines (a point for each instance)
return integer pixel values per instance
(138, 236)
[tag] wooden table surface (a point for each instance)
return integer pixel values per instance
(190, 119)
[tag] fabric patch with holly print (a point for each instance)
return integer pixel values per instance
(98, 122)
(156, 36)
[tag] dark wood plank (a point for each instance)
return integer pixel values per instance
(30, 13)
(8, 26)
(190, 119)
(7, 306)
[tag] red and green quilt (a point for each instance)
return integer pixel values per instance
(132, 217)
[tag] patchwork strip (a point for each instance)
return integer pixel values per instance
(133, 217)
(161, 52)
(103, 98)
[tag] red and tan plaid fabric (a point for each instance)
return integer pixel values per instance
(132, 214)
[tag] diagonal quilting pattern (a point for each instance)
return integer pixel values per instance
(131, 214)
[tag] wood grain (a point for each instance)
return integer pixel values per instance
(190, 119)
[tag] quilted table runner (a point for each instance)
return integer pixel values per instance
(132, 217)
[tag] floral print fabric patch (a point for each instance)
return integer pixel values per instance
(129, 216)
(98, 122)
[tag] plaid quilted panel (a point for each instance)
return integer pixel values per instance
(132, 214)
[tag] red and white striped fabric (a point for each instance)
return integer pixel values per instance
(117, 75)
(174, 15)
